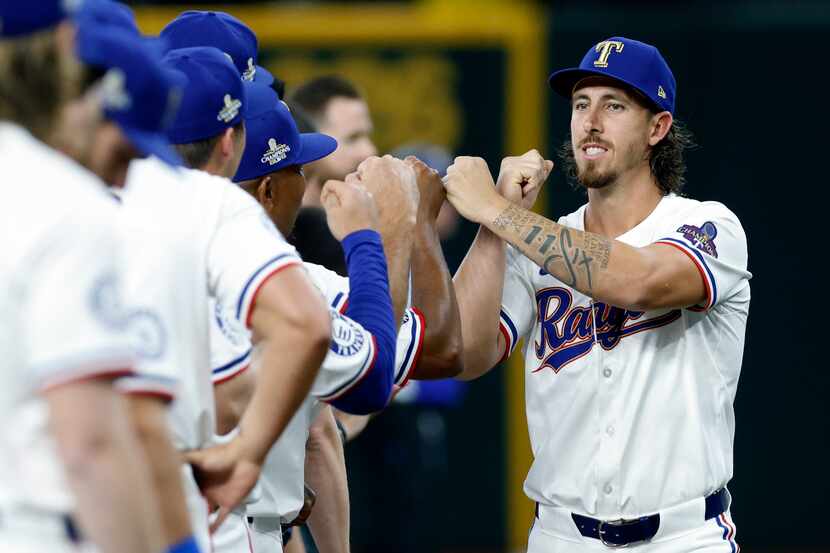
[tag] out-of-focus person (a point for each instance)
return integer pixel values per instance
(334, 106)
(63, 341)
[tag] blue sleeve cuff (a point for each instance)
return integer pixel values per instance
(359, 237)
(187, 545)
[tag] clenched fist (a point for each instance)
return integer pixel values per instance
(349, 206)
(470, 188)
(521, 177)
(430, 189)
(393, 185)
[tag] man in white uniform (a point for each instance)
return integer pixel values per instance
(63, 342)
(632, 309)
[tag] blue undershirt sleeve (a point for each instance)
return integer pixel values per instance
(370, 305)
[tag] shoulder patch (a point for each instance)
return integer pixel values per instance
(346, 337)
(702, 238)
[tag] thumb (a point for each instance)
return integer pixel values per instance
(330, 195)
(195, 457)
(548, 167)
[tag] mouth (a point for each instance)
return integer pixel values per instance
(593, 151)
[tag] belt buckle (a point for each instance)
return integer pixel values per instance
(618, 522)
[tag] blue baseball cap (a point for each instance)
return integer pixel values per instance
(18, 18)
(220, 30)
(107, 12)
(272, 140)
(214, 98)
(139, 95)
(637, 64)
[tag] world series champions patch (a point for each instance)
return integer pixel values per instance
(702, 238)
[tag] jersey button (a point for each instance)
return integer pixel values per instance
(606, 372)
(608, 489)
(610, 430)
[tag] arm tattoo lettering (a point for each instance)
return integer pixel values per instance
(570, 255)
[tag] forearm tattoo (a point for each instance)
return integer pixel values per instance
(573, 256)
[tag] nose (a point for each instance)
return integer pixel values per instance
(592, 123)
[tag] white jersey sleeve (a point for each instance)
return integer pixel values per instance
(230, 345)
(714, 240)
(73, 326)
(350, 358)
(518, 309)
(245, 252)
(410, 339)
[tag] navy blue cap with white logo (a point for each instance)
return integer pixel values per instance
(220, 30)
(139, 94)
(272, 141)
(18, 18)
(214, 98)
(637, 64)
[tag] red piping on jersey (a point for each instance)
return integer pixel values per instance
(344, 306)
(507, 344)
(699, 270)
(165, 396)
(232, 375)
(261, 284)
(417, 357)
(107, 374)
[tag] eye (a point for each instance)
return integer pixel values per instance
(580, 105)
(615, 106)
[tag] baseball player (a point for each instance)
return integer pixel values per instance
(353, 377)
(632, 309)
(145, 98)
(271, 171)
(63, 341)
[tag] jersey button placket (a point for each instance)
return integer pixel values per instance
(608, 450)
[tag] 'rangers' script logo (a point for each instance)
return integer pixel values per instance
(568, 332)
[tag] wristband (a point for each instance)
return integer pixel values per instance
(187, 545)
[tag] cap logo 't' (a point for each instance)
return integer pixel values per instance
(661, 92)
(605, 48)
(249, 73)
(230, 111)
(275, 152)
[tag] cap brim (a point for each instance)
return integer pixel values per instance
(563, 82)
(315, 146)
(263, 76)
(154, 144)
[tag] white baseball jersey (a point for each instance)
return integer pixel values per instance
(215, 242)
(631, 412)
(59, 273)
(350, 357)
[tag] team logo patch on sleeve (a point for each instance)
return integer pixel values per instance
(347, 338)
(148, 334)
(702, 238)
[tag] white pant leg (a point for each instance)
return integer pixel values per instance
(716, 535)
(266, 535)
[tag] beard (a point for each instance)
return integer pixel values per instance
(589, 175)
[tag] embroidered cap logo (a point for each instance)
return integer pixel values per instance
(605, 48)
(275, 152)
(230, 110)
(249, 73)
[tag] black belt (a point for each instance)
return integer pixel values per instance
(623, 532)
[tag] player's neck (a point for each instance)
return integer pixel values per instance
(617, 208)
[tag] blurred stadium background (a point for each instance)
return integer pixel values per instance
(470, 76)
